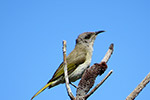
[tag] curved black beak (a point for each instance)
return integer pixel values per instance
(98, 32)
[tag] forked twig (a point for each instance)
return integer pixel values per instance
(89, 76)
(100, 69)
(105, 59)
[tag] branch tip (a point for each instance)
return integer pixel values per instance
(111, 46)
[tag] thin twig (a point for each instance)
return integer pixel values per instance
(108, 53)
(139, 88)
(66, 73)
(98, 85)
(73, 85)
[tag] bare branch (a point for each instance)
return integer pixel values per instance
(105, 59)
(88, 79)
(89, 76)
(98, 85)
(108, 54)
(66, 73)
(139, 88)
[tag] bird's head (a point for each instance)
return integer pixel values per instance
(87, 38)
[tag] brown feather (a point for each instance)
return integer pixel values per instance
(77, 59)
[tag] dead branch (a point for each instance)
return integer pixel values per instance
(108, 53)
(139, 88)
(98, 85)
(66, 73)
(88, 79)
(89, 76)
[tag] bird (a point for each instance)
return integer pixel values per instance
(77, 61)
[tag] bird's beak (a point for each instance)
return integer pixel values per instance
(98, 32)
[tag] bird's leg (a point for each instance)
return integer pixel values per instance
(73, 85)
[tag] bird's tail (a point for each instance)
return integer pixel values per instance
(46, 86)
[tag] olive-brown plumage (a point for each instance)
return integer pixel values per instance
(77, 61)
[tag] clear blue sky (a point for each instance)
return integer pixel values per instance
(31, 35)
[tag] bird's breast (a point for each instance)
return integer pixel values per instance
(77, 73)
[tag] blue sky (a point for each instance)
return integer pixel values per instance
(31, 35)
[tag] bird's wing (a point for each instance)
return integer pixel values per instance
(74, 60)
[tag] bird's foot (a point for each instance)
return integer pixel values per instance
(73, 85)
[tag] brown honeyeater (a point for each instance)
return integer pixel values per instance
(77, 61)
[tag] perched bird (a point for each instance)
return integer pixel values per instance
(77, 61)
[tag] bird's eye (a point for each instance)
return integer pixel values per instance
(88, 36)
